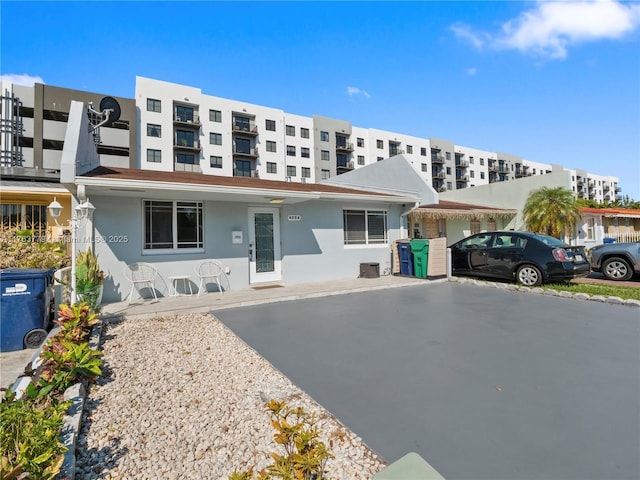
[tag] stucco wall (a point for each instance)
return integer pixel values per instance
(312, 248)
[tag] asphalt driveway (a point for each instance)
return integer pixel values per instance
(483, 383)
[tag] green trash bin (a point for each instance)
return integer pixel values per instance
(420, 250)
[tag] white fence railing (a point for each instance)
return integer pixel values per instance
(624, 237)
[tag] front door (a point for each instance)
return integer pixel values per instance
(264, 245)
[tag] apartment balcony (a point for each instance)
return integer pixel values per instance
(462, 178)
(439, 175)
(395, 151)
(242, 172)
(192, 146)
(243, 128)
(606, 188)
(343, 167)
(493, 180)
(494, 168)
(580, 181)
(441, 189)
(251, 152)
(522, 173)
(186, 119)
(437, 159)
(344, 147)
(186, 167)
(618, 189)
(462, 164)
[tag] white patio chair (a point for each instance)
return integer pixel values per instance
(210, 270)
(141, 275)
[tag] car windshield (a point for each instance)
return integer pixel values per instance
(547, 240)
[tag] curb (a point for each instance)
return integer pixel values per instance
(612, 300)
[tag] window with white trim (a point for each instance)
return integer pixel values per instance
(173, 225)
(364, 227)
(591, 223)
(25, 217)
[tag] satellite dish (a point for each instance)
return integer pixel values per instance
(111, 104)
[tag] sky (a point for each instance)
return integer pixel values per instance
(552, 82)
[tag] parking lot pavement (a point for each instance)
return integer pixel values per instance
(483, 383)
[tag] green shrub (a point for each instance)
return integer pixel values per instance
(29, 439)
(304, 456)
(19, 249)
(89, 278)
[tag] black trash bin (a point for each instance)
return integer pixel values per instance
(25, 307)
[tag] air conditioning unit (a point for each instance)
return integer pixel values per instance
(255, 174)
(351, 164)
(303, 180)
(288, 179)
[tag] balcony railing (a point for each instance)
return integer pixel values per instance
(522, 173)
(245, 128)
(344, 147)
(187, 145)
(187, 119)
(439, 175)
(493, 168)
(186, 167)
(437, 159)
(462, 163)
(618, 189)
(345, 164)
(396, 151)
(245, 152)
(441, 189)
(462, 178)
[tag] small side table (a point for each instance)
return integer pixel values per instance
(173, 285)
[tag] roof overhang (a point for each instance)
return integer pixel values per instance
(437, 213)
(100, 186)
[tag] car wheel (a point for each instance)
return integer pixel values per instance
(616, 268)
(529, 276)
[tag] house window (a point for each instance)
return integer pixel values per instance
(423, 151)
(185, 138)
(26, 217)
(449, 186)
(153, 105)
(324, 155)
(591, 223)
(272, 167)
(482, 175)
(304, 132)
(324, 174)
(271, 146)
(364, 227)
(215, 115)
(215, 161)
(472, 174)
(290, 130)
(172, 225)
(154, 130)
(409, 149)
(154, 156)
(360, 142)
(360, 159)
(474, 226)
(184, 113)
(304, 152)
(470, 160)
(270, 125)
(448, 170)
(215, 138)
(291, 170)
(306, 172)
(324, 136)
(447, 155)
(492, 226)
(423, 166)
(379, 144)
(291, 150)
(482, 161)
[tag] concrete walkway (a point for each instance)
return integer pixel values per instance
(167, 306)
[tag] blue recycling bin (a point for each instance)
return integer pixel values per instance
(406, 258)
(25, 307)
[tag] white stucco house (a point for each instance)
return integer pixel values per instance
(263, 231)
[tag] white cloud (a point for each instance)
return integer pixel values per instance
(465, 33)
(471, 71)
(357, 92)
(24, 79)
(550, 28)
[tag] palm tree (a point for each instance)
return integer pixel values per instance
(552, 211)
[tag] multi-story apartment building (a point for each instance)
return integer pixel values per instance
(178, 128)
(33, 123)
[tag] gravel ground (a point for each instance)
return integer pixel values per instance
(183, 398)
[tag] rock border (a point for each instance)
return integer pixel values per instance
(612, 300)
